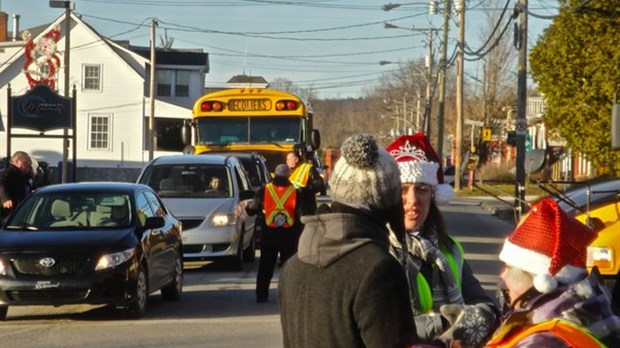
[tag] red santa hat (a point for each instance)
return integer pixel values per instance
(419, 163)
(550, 244)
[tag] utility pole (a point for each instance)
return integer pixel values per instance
(152, 94)
(429, 79)
(521, 121)
(67, 5)
(460, 7)
(442, 79)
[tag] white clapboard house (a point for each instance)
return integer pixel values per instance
(112, 84)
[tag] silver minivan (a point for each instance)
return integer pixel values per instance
(208, 193)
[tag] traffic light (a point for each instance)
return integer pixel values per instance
(511, 139)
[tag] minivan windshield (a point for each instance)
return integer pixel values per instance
(189, 180)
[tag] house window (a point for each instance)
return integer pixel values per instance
(168, 133)
(172, 83)
(164, 83)
(100, 132)
(181, 85)
(92, 77)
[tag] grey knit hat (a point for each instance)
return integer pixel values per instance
(365, 174)
(282, 171)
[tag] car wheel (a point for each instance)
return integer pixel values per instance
(173, 291)
(3, 311)
(249, 254)
(137, 307)
(236, 261)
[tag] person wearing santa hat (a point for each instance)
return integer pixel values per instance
(448, 301)
(552, 300)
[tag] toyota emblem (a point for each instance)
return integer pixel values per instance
(47, 262)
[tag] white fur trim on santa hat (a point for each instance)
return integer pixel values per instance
(443, 194)
(418, 172)
(538, 264)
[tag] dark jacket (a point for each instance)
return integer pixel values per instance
(15, 186)
(314, 186)
(343, 288)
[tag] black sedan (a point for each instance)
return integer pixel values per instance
(90, 243)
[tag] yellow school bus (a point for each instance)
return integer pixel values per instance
(259, 120)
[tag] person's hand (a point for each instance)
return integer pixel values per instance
(471, 325)
(8, 204)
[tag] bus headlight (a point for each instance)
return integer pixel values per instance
(599, 256)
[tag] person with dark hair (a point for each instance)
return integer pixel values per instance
(306, 178)
(15, 182)
(448, 301)
(343, 288)
(278, 204)
(552, 300)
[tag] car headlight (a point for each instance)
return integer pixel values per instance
(601, 257)
(219, 220)
(2, 268)
(114, 259)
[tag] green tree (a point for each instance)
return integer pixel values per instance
(576, 63)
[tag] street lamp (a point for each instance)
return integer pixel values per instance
(68, 6)
(429, 66)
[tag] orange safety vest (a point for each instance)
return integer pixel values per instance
(299, 177)
(572, 334)
(279, 205)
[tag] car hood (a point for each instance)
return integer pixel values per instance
(48, 240)
(186, 208)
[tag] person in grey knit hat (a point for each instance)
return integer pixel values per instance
(343, 288)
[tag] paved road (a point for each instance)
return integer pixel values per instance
(218, 307)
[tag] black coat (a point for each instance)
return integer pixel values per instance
(15, 186)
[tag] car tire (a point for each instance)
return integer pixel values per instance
(3, 311)
(249, 254)
(173, 291)
(139, 299)
(236, 261)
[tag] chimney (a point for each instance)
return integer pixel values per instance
(16, 28)
(4, 19)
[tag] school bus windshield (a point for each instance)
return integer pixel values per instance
(249, 130)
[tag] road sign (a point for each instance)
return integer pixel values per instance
(486, 134)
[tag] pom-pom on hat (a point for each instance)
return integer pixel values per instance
(550, 244)
(365, 175)
(419, 163)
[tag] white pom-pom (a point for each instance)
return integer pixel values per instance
(443, 194)
(545, 283)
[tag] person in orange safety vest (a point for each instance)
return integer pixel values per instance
(551, 299)
(280, 203)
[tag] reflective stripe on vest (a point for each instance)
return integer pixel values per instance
(425, 295)
(572, 334)
(279, 205)
(300, 175)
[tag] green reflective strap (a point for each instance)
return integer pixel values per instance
(425, 296)
(454, 266)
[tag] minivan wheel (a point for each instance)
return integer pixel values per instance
(249, 254)
(173, 291)
(236, 261)
(137, 307)
(3, 311)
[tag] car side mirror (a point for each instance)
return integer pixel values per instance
(154, 222)
(596, 224)
(246, 194)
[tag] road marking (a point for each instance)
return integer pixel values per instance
(485, 240)
(481, 257)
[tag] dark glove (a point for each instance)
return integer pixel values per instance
(472, 325)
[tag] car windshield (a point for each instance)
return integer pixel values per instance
(72, 210)
(189, 180)
(600, 193)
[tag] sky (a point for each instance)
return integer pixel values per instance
(331, 46)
